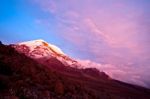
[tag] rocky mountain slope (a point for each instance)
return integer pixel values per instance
(22, 77)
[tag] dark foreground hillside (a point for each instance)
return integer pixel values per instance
(23, 78)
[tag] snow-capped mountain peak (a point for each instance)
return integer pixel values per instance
(37, 49)
(33, 44)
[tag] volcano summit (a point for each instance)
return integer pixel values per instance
(38, 70)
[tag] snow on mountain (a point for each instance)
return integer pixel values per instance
(41, 43)
(41, 49)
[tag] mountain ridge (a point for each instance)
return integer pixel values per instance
(22, 77)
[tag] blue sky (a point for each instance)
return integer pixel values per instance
(112, 32)
(18, 22)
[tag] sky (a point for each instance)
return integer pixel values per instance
(111, 35)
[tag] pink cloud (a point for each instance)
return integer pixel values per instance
(106, 24)
(110, 31)
(126, 74)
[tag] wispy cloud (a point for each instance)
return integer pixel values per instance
(110, 32)
(47, 5)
